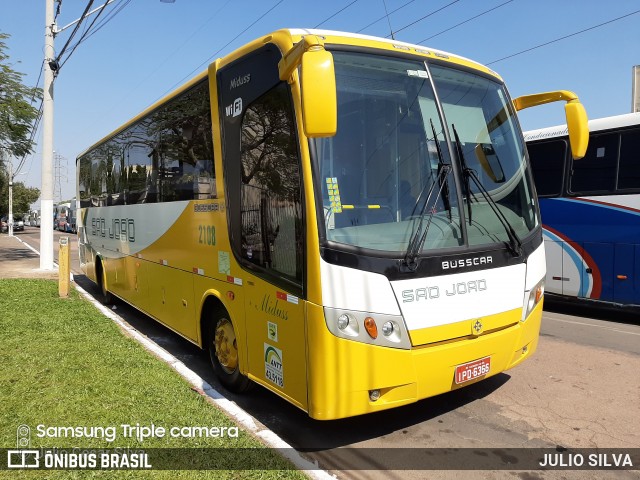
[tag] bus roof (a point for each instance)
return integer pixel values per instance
(396, 44)
(595, 125)
(294, 35)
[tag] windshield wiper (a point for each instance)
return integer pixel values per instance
(443, 180)
(419, 236)
(465, 169)
(514, 244)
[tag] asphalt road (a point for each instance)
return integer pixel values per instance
(31, 235)
(581, 389)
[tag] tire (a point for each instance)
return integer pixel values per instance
(223, 352)
(101, 275)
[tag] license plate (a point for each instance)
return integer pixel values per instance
(472, 370)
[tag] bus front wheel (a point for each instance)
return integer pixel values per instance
(223, 351)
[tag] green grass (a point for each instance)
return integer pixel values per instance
(62, 363)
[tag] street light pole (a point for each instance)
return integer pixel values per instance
(46, 198)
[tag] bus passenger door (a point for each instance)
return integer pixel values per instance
(276, 339)
(263, 190)
(553, 252)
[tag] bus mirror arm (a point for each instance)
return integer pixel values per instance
(317, 85)
(293, 57)
(574, 111)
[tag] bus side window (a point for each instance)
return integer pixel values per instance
(138, 167)
(271, 208)
(185, 168)
(596, 172)
(629, 173)
(547, 164)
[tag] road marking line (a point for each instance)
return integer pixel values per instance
(592, 325)
(28, 246)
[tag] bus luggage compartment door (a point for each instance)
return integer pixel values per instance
(627, 260)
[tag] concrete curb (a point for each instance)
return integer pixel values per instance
(267, 436)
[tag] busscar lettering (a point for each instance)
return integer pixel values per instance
(466, 262)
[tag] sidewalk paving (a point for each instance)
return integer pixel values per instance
(19, 261)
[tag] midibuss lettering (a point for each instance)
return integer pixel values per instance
(119, 229)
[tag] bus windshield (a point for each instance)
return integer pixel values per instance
(389, 168)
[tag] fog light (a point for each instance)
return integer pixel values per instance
(374, 395)
(343, 321)
(387, 329)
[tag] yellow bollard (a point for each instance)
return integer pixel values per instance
(64, 267)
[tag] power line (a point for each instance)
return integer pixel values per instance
(563, 38)
(34, 129)
(88, 32)
(338, 12)
(82, 37)
(466, 21)
(382, 18)
(64, 48)
(388, 20)
(117, 8)
(426, 16)
(159, 65)
(36, 120)
(222, 48)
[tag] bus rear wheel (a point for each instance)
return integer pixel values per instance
(223, 351)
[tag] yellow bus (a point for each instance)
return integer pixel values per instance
(348, 221)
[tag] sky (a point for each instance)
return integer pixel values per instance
(151, 47)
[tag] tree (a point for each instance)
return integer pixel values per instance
(23, 196)
(17, 114)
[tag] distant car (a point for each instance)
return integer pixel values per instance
(18, 225)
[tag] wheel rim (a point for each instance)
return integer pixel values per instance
(226, 347)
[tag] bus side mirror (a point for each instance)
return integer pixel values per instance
(577, 122)
(578, 129)
(319, 101)
(317, 85)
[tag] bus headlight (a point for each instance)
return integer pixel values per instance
(534, 297)
(343, 321)
(365, 327)
(387, 328)
(347, 325)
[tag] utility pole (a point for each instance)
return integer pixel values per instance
(46, 196)
(50, 67)
(10, 199)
